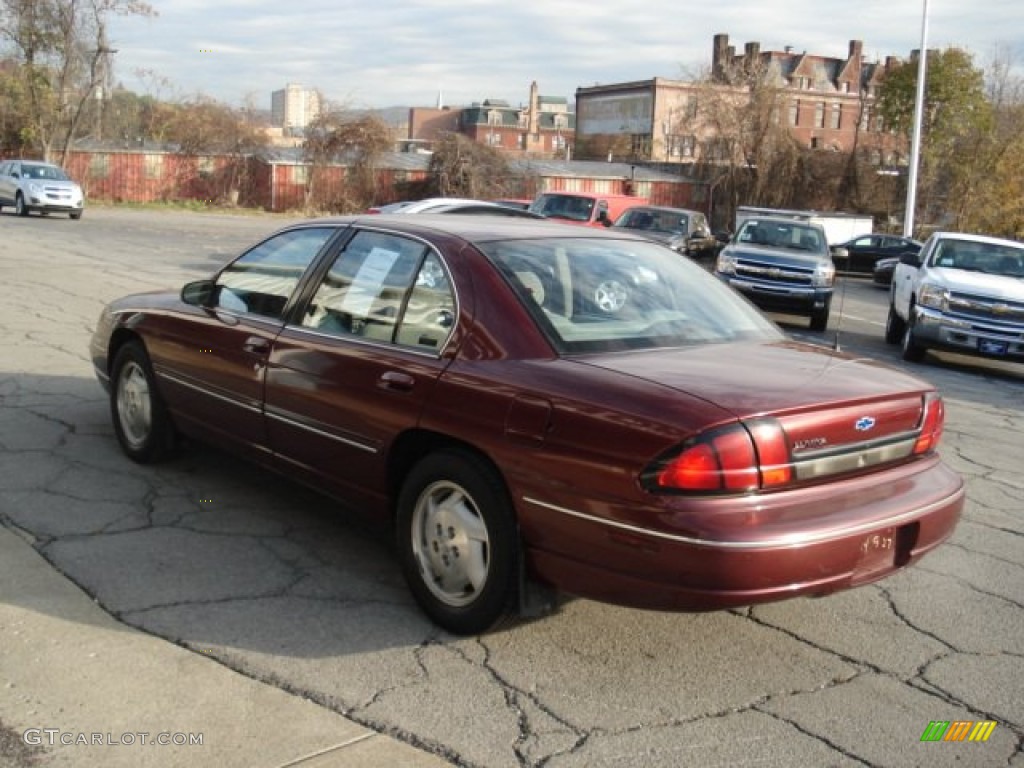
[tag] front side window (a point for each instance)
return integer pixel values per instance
(261, 281)
(385, 288)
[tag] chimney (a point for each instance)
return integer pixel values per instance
(751, 51)
(719, 52)
(856, 49)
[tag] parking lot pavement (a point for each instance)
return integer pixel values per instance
(204, 596)
(81, 689)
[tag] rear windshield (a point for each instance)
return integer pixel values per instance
(783, 234)
(571, 207)
(605, 294)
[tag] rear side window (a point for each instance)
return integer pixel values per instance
(385, 288)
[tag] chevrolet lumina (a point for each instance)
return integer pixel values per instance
(536, 407)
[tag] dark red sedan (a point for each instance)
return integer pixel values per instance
(534, 406)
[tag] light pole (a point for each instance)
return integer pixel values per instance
(915, 142)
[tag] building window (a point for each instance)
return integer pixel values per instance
(560, 121)
(300, 174)
(522, 141)
(879, 123)
(794, 113)
(154, 166)
(640, 145)
(836, 120)
(494, 117)
(680, 146)
(205, 166)
(819, 115)
(558, 142)
(691, 106)
(493, 139)
(99, 166)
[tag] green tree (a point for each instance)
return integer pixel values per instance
(957, 123)
(64, 57)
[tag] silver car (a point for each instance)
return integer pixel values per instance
(31, 185)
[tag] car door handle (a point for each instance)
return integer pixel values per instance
(256, 345)
(401, 382)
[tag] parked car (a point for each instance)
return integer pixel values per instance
(458, 377)
(590, 209)
(682, 230)
(883, 271)
(963, 293)
(864, 251)
(31, 185)
(515, 202)
(454, 205)
(782, 265)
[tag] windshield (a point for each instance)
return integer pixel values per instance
(990, 258)
(665, 222)
(571, 207)
(782, 234)
(605, 294)
(43, 172)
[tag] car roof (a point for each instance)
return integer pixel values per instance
(663, 208)
(984, 239)
(478, 228)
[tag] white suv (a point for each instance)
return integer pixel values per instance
(30, 185)
(964, 293)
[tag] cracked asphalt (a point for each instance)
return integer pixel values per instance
(277, 583)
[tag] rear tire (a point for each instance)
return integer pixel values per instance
(140, 418)
(458, 541)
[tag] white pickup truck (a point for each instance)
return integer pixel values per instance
(963, 293)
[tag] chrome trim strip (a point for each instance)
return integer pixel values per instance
(330, 436)
(851, 461)
(302, 330)
(209, 392)
(784, 542)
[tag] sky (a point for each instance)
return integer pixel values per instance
(361, 54)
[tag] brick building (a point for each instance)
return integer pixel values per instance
(828, 104)
(544, 126)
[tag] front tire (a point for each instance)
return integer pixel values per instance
(140, 418)
(458, 542)
(19, 205)
(912, 351)
(76, 215)
(819, 317)
(894, 326)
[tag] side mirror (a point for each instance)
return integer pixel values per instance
(911, 259)
(199, 293)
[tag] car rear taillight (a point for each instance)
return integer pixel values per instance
(734, 459)
(932, 421)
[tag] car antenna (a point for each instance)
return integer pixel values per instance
(839, 320)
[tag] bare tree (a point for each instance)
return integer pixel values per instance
(746, 148)
(462, 167)
(64, 54)
(356, 141)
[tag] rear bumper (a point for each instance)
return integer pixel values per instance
(784, 558)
